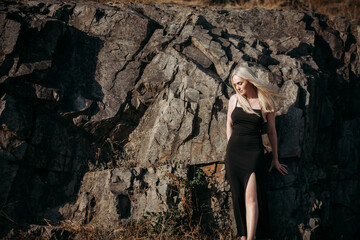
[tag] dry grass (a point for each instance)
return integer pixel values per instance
(133, 230)
(345, 8)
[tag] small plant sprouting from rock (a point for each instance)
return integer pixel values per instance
(184, 213)
(110, 154)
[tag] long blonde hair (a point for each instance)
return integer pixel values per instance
(264, 93)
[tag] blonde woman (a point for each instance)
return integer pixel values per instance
(250, 108)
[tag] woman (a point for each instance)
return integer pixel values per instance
(250, 108)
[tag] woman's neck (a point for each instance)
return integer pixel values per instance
(251, 96)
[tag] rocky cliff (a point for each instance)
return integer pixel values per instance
(99, 101)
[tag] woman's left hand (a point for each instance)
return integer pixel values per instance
(278, 166)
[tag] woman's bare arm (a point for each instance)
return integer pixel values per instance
(229, 122)
(271, 129)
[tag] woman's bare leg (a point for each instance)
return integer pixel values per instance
(252, 210)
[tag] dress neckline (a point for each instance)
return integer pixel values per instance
(251, 108)
(254, 110)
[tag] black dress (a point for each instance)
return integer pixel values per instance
(245, 155)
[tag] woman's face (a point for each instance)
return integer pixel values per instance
(241, 85)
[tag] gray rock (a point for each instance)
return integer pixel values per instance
(88, 85)
(119, 194)
(15, 116)
(290, 133)
(10, 33)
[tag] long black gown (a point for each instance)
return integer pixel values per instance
(245, 155)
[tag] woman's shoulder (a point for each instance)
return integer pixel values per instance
(232, 101)
(233, 98)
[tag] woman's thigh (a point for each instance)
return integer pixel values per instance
(251, 190)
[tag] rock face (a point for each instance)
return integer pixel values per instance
(146, 87)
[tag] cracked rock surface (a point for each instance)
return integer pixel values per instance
(79, 80)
